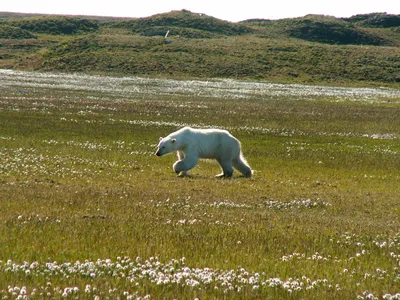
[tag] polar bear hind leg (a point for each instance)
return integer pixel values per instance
(227, 170)
(242, 166)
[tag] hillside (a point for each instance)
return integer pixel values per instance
(324, 29)
(362, 50)
(179, 21)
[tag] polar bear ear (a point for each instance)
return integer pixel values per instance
(173, 141)
(161, 138)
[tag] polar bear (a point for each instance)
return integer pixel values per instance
(192, 144)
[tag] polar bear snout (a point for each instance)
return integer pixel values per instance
(160, 152)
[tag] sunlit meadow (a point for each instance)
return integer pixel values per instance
(88, 211)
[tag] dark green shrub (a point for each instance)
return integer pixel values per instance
(331, 31)
(57, 25)
(11, 32)
(382, 20)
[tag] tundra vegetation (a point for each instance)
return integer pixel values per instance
(88, 211)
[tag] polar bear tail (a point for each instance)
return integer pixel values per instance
(240, 164)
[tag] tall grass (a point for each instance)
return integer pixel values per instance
(87, 210)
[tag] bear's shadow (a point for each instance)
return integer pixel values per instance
(205, 177)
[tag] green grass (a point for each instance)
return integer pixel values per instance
(80, 184)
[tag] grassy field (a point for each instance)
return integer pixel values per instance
(87, 210)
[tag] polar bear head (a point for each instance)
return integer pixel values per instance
(166, 145)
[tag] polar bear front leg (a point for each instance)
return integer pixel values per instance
(182, 167)
(181, 156)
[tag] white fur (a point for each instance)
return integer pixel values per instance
(192, 144)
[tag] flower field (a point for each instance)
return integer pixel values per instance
(88, 211)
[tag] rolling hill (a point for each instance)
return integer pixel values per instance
(362, 50)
